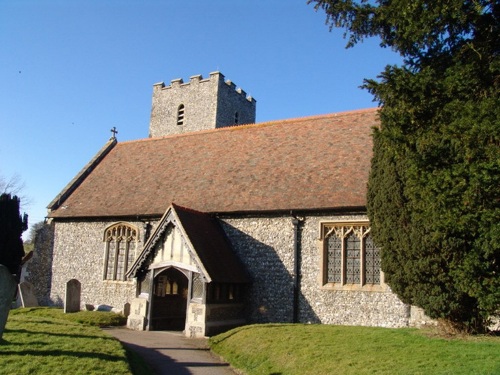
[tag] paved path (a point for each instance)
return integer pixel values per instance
(172, 353)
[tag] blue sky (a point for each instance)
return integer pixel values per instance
(71, 70)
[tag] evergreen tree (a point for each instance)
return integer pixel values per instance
(433, 193)
(12, 226)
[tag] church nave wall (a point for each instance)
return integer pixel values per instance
(265, 245)
(79, 254)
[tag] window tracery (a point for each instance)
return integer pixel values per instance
(350, 256)
(120, 250)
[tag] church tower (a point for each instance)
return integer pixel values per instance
(199, 104)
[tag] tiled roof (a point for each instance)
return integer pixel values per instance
(319, 162)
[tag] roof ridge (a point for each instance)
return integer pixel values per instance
(313, 117)
(254, 125)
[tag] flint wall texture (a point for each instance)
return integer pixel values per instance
(79, 254)
(39, 267)
(266, 247)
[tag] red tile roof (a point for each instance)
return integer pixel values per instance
(311, 163)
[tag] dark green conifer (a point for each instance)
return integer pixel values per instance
(434, 187)
(12, 226)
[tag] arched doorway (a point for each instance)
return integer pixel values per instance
(169, 305)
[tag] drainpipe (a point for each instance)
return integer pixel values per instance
(296, 221)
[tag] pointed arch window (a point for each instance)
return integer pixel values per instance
(120, 250)
(180, 115)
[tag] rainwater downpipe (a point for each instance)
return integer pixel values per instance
(296, 221)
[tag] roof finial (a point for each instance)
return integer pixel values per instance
(114, 131)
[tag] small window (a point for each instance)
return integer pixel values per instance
(180, 115)
(236, 117)
(197, 287)
(224, 293)
(165, 286)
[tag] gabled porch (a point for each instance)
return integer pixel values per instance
(188, 277)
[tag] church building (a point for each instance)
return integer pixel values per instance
(216, 221)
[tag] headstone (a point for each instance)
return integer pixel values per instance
(27, 294)
(72, 296)
(138, 314)
(7, 292)
(126, 309)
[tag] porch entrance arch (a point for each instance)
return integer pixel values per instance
(169, 303)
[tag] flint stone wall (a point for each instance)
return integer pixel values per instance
(265, 246)
(39, 267)
(79, 254)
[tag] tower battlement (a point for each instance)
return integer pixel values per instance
(200, 104)
(196, 79)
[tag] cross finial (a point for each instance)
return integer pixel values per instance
(115, 132)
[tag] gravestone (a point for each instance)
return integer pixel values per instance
(7, 292)
(126, 309)
(27, 294)
(72, 296)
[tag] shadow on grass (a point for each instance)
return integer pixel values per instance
(32, 343)
(66, 353)
(45, 333)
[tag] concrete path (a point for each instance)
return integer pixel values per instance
(171, 352)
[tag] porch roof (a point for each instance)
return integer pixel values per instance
(207, 240)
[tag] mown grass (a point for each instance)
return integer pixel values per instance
(47, 341)
(324, 349)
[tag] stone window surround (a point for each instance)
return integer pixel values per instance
(128, 252)
(323, 266)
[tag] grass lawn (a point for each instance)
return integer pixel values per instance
(47, 341)
(321, 349)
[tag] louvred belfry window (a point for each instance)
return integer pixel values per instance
(120, 251)
(350, 255)
(180, 115)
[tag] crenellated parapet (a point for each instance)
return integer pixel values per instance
(214, 77)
